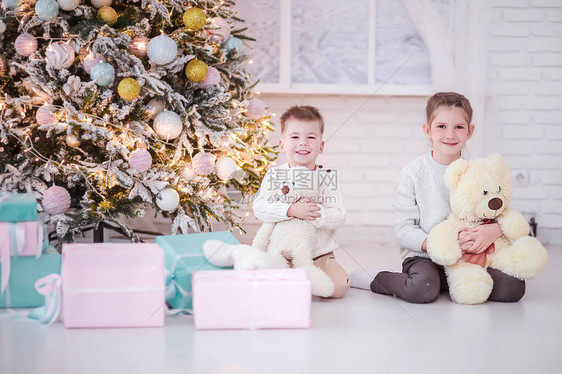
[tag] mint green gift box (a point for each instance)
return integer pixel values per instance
(25, 271)
(17, 207)
(184, 256)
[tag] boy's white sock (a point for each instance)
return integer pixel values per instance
(362, 279)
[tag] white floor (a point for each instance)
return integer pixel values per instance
(363, 332)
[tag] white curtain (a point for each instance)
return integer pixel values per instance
(458, 51)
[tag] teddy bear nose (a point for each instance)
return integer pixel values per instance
(495, 204)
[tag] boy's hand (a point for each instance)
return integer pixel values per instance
(478, 239)
(304, 209)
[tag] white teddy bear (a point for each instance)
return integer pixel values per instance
(481, 191)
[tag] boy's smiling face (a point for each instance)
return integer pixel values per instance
(302, 142)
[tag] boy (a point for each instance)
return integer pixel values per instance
(302, 128)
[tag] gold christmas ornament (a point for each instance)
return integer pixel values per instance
(194, 19)
(105, 205)
(129, 89)
(196, 70)
(108, 15)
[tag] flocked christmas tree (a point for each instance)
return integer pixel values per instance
(108, 108)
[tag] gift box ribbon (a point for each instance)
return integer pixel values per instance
(15, 231)
(50, 287)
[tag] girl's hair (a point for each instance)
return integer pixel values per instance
(449, 99)
(303, 113)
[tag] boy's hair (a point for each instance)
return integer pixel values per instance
(449, 99)
(302, 113)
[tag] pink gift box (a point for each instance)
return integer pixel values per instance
(29, 237)
(253, 299)
(113, 285)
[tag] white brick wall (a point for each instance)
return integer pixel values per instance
(525, 70)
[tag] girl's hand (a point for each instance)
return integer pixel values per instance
(304, 209)
(478, 239)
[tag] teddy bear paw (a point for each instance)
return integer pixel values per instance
(525, 258)
(469, 283)
(322, 285)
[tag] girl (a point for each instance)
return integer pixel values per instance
(423, 201)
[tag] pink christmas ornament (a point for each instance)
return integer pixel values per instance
(203, 163)
(213, 77)
(56, 200)
(140, 160)
(256, 109)
(220, 28)
(92, 60)
(46, 115)
(59, 55)
(26, 44)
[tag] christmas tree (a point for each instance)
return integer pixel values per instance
(110, 108)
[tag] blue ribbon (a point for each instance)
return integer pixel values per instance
(50, 287)
(172, 288)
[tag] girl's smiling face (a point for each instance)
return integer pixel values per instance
(449, 130)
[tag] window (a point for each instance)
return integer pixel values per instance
(335, 47)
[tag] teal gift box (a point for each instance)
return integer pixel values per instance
(184, 256)
(25, 271)
(17, 207)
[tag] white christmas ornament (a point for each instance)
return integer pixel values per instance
(68, 5)
(92, 60)
(168, 125)
(168, 199)
(203, 163)
(157, 106)
(188, 173)
(26, 45)
(59, 55)
(56, 200)
(225, 167)
(47, 10)
(101, 3)
(162, 50)
(213, 77)
(11, 4)
(256, 109)
(2, 26)
(140, 160)
(72, 141)
(46, 115)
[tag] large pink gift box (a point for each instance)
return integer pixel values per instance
(251, 299)
(113, 285)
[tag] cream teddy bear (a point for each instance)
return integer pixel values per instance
(481, 192)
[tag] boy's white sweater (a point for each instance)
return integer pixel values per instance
(422, 202)
(329, 199)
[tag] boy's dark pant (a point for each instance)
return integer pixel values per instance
(422, 280)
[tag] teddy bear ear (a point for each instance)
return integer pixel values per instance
(454, 172)
(500, 164)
